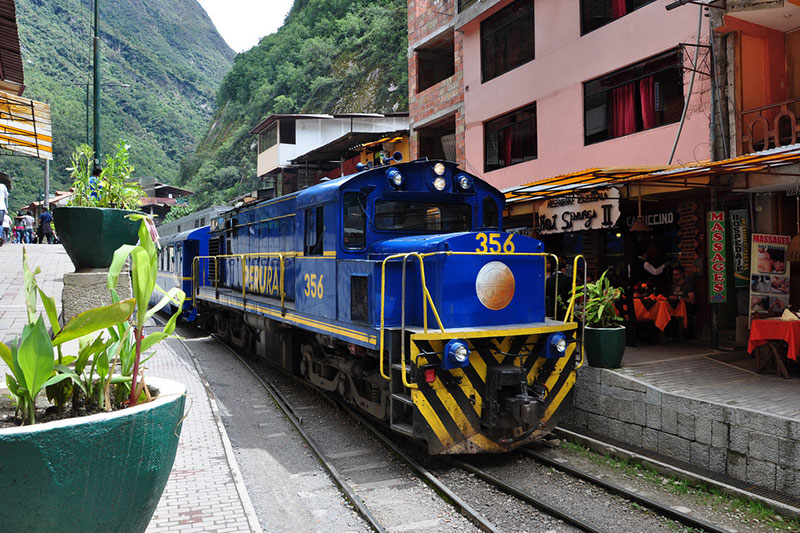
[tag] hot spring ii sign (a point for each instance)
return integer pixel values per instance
(717, 273)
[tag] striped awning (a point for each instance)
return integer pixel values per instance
(592, 178)
(25, 126)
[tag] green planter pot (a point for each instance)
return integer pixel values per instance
(604, 346)
(104, 472)
(90, 235)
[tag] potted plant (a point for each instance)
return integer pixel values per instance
(604, 337)
(94, 223)
(104, 471)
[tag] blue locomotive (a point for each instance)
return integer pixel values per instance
(396, 288)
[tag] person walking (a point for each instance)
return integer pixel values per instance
(45, 227)
(19, 229)
(5, 183)
(27, 223)
(7, 228)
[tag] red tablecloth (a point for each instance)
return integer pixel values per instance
(661, 312)
(763, 330)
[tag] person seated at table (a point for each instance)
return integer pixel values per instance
(681, 288)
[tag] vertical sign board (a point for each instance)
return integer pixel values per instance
(769, 273)
(717, 274)
(740, 246)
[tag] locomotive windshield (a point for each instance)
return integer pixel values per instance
(396, 215)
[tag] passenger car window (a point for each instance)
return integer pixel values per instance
(354, 221)
(314, 231)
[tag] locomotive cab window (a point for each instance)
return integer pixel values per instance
(354, 221)
(491, 215)
(314, 231)
(423, 217)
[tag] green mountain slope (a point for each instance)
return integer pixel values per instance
(167, 52)
(330, 56)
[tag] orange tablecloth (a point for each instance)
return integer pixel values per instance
(661, 312)
(763, 330)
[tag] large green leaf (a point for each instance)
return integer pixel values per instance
(174, 295)
(50, 308)
(5, 355)
(120, 255)
(35, 357)
(94, 320)
(144, 279)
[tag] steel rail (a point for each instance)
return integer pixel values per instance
(456, 501)
(338, 479)
(660, 508)
(529, 498)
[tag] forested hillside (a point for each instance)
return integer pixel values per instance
(330, 56)
(167, 52)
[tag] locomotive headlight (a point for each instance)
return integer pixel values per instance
(439, 183)
(464, 181)
(395, 177)
(456, 354)
(438, 169)
(556, 345)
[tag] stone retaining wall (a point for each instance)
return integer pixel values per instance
(750, 446)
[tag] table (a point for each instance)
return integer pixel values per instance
(661, 312)
(768, 331)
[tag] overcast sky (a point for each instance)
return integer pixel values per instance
(243, 22)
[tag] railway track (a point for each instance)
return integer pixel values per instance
(461, 505)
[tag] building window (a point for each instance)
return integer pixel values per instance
(435, 61)
(268, 138)
(288, 131)
(636, 98)
(510, 139)
(597, 13)
(354, 221)
(507, 39)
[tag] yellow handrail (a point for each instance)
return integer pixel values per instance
(426, 297)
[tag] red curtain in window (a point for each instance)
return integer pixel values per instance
(623, 110)
(508, 134)
(618, 8)
(647, 96)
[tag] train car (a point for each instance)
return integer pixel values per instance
(174, 265)
(396, 288)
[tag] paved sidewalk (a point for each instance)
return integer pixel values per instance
(205, 491)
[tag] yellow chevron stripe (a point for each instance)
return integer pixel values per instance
(431, 417)
(553, 407)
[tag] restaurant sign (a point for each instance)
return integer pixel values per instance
(717, 274)
(595, 209)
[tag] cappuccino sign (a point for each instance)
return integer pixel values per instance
(595, 209)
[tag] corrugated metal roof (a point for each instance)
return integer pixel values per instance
(10, 56)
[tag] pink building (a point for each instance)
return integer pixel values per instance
(554, 86)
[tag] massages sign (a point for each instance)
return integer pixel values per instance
(717, 273)
(769, 273)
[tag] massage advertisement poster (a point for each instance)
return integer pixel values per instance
(769, 273)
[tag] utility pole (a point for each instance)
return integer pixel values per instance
(96, 101)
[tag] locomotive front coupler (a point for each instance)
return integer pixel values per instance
(508, 401)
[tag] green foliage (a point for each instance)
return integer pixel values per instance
(169, 56)
(32, 362)
(178, 211)
(330, 56)
(114, 187)
(601, 299)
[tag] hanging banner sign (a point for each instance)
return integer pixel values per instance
(769, 273)
(740, 245)
(717, 273)
(595, 209)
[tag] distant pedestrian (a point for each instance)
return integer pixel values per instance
(7, 228)
(5, 183)
(44, 226)
(27, 223)
(19, 228)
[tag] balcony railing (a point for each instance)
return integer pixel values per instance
(770, 126)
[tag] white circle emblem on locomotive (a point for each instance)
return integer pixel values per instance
(495, 285)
